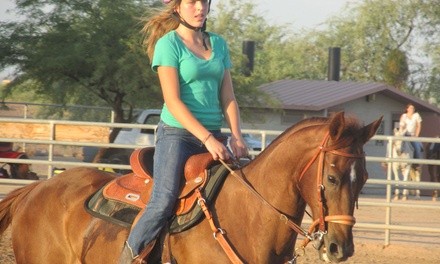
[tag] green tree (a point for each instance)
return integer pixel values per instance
(431, 35)
(368, 34)
(89, 51)
(238, 21)
(375, 35)
(396, 69)
(81, 52)
(380, 41)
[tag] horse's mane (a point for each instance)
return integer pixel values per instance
(351, 125)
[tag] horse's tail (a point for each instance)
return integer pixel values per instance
(10, 202)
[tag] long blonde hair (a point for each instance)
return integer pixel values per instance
(157, 25)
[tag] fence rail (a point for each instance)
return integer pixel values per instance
(388, 183)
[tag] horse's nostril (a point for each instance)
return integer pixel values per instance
(333, 249)
(339, 253)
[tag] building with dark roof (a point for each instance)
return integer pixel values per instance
(299, 99)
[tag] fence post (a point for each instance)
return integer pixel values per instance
(263, 140)
(388, 191)
(50, 152)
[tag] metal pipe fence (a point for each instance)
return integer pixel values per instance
(387, 183)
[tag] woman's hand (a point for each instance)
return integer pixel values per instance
(216, 148)
(238, 147)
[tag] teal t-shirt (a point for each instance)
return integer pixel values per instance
(200, 80)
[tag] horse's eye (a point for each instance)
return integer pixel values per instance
(332, 180)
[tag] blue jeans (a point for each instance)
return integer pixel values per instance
(173, 148)
(417, 148)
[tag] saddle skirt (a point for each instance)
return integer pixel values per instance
(135, 188)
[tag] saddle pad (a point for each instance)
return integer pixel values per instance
(111, 210)
(124, 214)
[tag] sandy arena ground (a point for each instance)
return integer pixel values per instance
(405, 246)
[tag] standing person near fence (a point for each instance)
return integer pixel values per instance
(411, 125)
(193, 68)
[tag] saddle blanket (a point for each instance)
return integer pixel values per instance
(123, 213)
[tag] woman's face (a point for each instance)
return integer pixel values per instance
(194, 12)
(410, 109)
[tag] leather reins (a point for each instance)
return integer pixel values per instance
(309, 235)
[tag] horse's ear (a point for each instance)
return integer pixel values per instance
(337, 125)
(370, 130)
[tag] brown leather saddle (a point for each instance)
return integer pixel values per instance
(135, 188)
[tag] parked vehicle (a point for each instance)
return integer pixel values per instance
(131, 136)
(138, 136)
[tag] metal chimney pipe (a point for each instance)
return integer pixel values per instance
(249, 51)
(334, 63)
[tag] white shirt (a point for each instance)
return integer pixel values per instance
(410, 124)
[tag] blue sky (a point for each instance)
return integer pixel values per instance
(299, 13)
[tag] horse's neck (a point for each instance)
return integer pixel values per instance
(256, 219)
(403, 154)
(273, 176)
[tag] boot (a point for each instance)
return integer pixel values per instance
(126, 255)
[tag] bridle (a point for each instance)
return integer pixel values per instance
(309, 234)
(339, 219)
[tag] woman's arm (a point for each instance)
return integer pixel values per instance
(232, 116)
(418, 129)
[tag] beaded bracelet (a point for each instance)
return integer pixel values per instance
(206, 138)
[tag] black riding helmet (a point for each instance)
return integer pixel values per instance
(179, 19)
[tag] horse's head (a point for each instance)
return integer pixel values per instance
(331, 182)
(398, 145)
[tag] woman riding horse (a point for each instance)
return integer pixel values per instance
(319, 163)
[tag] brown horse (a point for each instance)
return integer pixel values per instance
(319, 162)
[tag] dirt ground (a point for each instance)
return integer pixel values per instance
(405, 246)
